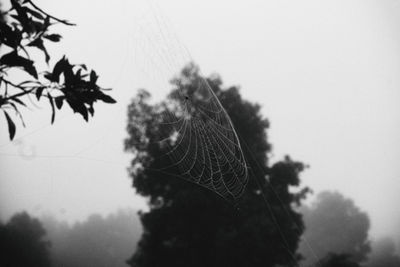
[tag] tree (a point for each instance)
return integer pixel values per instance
(188, 225)
(337, 260)
(22, 243)
(23, 28)
(334, 224)
(97, 241)
(383, 254)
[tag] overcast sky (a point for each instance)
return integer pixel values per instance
(325, 72)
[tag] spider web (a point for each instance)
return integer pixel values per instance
(202, 144)
(195, 132)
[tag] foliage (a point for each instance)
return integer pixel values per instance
(23, 27)
(334, 224)
(337, 260)
(383, 254)
(97, 241)
(188, 225)
(22, 243)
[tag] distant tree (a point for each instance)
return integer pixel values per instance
(334, 224)
(337, 260)
(188, 225)
(383, 254)
(23, 27)
(22, 243)
(98, 241)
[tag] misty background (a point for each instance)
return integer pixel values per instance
(326, 75)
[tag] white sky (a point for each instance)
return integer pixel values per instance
(325, 72)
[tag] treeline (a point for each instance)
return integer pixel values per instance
(336, 235)
(98, 241)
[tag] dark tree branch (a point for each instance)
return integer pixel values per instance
(20, 94)
(76, 86)
(50, 16)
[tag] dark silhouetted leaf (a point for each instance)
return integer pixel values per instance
(47, 21)
(49, 76)
(38, 27)
(62, 66)
(39, 92)
(18, 113)
(59, 101)
(58, 69)
(22, 17)
(12, 59)
(91, 110)
(106, 98)
(11, 126)
(93, 77)
(19, 101)
(68, 73)
(79, 74)
(39, 44)
(14, 16)
(34, 13)
(79, 107)
(53, 37)
(9, 36)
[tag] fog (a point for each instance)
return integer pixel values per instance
(324, 73)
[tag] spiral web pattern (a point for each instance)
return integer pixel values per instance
(196, 133)
(203, 145)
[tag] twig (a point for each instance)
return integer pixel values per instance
(50, 16)
(12, 84)
(19, 94)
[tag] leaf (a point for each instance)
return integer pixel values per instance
(59, 101)
(68, 73)
(38, 27)
(53, 37)
(39, 92)
(23, 17)
(19, 101)
(14, 16)
(91, 110)
(59, 68)
(49, 76)
(47, 21)
(12, 59)
(9, 36)
(39, 44)
(106, 98)
(18, 113)
(93, 77)
(34, 13)
(53, 110)
(11, 126)
(79, 74)
(78, 107)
